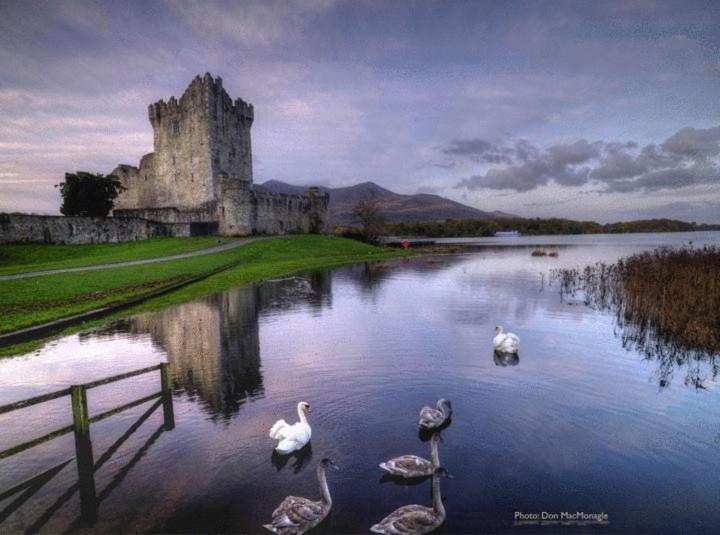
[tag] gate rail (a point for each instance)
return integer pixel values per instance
(81, 426)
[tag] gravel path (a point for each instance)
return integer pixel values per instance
(217, 249)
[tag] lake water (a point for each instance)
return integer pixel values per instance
(576, 423)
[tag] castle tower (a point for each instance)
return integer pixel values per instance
(198, 140)
(200, 172)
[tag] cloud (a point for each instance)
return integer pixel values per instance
(561, 163)
(687, 158)
(694, 143)
(478, 150)
(252, 23)
(671, 178)
(618, 165)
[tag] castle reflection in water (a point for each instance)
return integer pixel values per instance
(213, 343)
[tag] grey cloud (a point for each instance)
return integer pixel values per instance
(560, 163)
(671, 178)
(694, 143)
(617, 165)
(478, 150)
(576, 153)
(449, 165)
(686, 158)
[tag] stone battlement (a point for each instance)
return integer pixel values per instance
(200, 96)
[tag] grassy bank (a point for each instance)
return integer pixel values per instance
(28, 302)
(25, 258)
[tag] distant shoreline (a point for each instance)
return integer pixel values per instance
(463, 228)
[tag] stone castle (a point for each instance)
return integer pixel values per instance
(200, 171)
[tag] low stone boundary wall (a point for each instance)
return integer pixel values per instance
(25, 228)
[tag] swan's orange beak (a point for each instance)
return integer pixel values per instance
(308, 409)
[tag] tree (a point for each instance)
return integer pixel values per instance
(88, 194)
(367, 212)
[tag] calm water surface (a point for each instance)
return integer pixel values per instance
(576, 423)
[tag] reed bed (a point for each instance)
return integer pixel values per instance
(666, 301)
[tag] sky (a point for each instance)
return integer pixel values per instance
(602, 110)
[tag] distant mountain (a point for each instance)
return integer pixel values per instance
(395, 206)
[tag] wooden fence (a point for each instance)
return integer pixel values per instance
(84, 457)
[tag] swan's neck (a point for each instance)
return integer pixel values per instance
(438, 506)
(301, 414)
(434, 454)
(324, 490)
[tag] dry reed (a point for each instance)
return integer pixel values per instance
(666, 301)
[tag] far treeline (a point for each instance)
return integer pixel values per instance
(537, 226)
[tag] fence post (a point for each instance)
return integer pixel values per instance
(166, 384)
(84, 453)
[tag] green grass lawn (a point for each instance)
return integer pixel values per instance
(24, 258)
(32, 301)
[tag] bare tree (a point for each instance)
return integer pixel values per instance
(367, 212)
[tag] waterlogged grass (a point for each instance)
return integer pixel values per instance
(25, 258)
(667, 303)
(28, 302)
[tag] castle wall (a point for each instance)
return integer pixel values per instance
(277, 213)
(205, 214)
(236, 209)
(24, 228)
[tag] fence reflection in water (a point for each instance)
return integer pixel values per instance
(90, 499)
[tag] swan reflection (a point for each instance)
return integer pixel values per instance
(503, 358)
(300, 459)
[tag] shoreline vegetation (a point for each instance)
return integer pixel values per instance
(452, 228)
(37, 300)
(665, 302)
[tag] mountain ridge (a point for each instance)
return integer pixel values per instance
(395, 206)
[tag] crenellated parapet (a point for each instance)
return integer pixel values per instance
(193, 100)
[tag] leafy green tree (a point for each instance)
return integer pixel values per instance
(88, 194)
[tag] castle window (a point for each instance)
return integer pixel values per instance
(176, 126)
(173, 159)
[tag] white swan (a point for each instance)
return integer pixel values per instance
(292, 437)
(505, 342)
